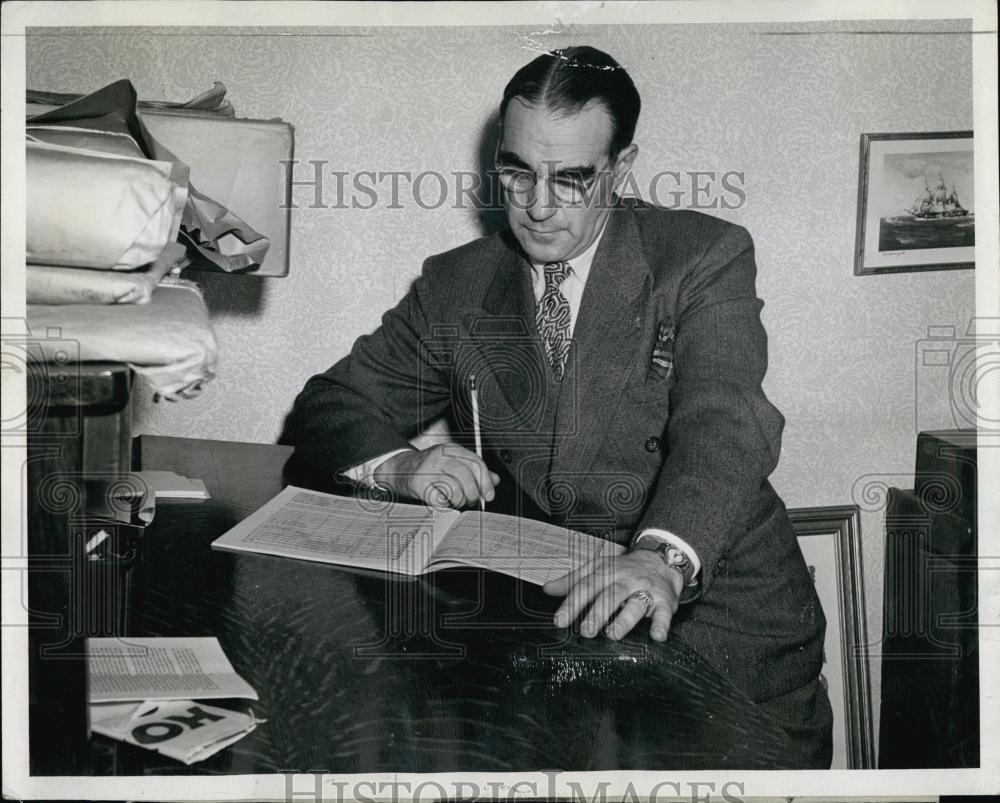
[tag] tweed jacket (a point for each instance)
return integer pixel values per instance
(659, 420)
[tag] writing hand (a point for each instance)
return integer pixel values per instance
(446, 475)
(606, 585)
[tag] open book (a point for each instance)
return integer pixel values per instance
(410, 539)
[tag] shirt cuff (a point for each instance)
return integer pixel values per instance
(674, 540)
(364, 473)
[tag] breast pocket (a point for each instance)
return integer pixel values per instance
(653, 375)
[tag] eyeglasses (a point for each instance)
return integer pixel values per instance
(566, 189)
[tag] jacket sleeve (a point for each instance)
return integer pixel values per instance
(374, 399)
(723, 435)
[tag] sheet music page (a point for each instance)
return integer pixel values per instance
(308, 525)
(523, 548)
(120, 669)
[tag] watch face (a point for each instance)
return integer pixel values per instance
(674, 556)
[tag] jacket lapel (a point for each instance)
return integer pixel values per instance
(513, 399)
(509, 339)
(606, 339)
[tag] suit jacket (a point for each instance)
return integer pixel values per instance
(685, 443)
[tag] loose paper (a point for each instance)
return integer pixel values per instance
(170, 485)
(140, 669)
(186, 730)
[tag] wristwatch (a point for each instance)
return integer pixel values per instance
(677, 558)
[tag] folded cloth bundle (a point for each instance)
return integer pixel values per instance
(45, 284)
(210, 230)
(168, 341)
(115, 140)
(93, 209)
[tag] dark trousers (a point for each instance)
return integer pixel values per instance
(806, 716)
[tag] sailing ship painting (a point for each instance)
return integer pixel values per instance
(916, 202)
(937, 205)
(936, 217)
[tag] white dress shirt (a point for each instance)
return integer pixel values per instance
(575, 281)
(572, 290)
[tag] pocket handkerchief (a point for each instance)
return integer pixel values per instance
(661, 362)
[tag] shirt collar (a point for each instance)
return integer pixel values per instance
(580, 264)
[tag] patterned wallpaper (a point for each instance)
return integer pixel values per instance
(783, 105)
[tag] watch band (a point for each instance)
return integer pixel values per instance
(676, 557)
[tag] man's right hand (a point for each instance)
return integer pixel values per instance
(446, 475)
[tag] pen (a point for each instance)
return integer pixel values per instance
(474, 396)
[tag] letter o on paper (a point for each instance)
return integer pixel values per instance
(153, 732)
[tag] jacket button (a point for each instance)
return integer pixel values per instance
(652, 444)
(505, 455)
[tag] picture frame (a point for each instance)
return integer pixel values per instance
(830, 540)
(916, 203)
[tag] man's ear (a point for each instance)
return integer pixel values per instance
(626, 157)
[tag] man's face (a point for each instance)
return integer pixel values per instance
(562, 150)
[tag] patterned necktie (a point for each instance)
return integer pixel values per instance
(552, 317)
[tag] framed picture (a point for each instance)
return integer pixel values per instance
(916, 207)
(830, 540)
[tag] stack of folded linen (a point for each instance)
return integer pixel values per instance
(99, 215)
(104, 140)
(168, 342)
(102, 221)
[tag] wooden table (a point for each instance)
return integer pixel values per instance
(360, 672)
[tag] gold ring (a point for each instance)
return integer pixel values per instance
(644, 597)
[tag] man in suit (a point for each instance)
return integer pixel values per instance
(618, 355)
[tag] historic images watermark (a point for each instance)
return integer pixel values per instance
(953, 362)
(313, 184)
(47, 360)
(316, 785)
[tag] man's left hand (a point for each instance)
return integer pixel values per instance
(605, 584)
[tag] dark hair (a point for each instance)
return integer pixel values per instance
(566, 80)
